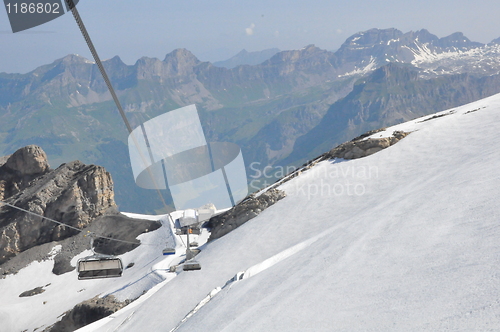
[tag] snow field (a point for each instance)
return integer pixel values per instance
(416, 251)
(63, 292)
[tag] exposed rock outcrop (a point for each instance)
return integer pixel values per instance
(88, 312)
(32, 292)
(73, 194)
(20, 168)
(360, 147)
(30, 160)
(249, 208)
(241, 213)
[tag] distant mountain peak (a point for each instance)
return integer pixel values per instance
(371, 37)
(71, 59)
(310, 47)
(247, 58)
(495, 41)
(458, 40)
(296, 55)
(423, 36)
(116, 59)
(181, 54)
(242, 52)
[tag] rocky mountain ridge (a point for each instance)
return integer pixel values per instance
(270, 110)
(247, 58)
(453, 54)
(74, 194)
(389, 95)
(357, 53)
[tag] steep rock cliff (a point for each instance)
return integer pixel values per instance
(73, 194)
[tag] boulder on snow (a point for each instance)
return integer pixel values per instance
(361, 147)
(31, 292)
(249, 208)
(88, 312)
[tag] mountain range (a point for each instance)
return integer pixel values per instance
(281, 112)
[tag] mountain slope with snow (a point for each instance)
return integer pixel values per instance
(405, 239)
(453, 54)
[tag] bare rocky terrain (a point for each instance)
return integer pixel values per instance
(74, 194)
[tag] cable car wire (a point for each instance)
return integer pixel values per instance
(97, 60)
(75, 228)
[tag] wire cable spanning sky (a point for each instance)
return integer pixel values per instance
(96, 235)
(217, 30)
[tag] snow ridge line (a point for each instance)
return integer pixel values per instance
(256, 269)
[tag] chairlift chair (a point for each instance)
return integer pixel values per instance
(191, 265)
(168, 251)
(195, 230)
(99, 266)
(185, 230)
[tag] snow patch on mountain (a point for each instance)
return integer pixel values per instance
(480, 60)
(371, 66)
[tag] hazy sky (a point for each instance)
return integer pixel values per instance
(218, 29)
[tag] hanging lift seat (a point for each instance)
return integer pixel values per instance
(191, 265)
(99, 267)
(168, 251)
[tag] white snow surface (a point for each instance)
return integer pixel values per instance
(479, 60)
(62, 293)
(403, 240)
(371, 66)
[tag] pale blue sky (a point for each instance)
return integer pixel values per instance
(216, 30)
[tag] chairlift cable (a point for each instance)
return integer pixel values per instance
(173, 223)
(93, 51)
(97, 60)
(72, 227)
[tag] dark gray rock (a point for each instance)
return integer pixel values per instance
(31, 292)
(88, 312)
(75, 194)
(113, 224)
(360, 147)
(249, 208)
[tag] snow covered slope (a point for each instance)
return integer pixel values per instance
(146, 267)
(480, 61)
(403, 240)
